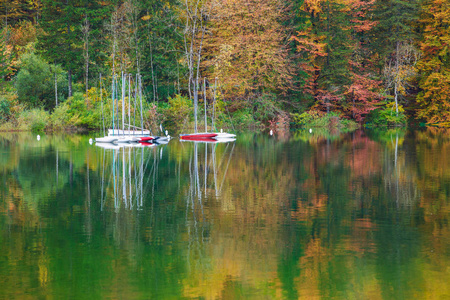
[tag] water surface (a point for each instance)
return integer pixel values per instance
(363, 215)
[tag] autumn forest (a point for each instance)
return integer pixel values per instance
(266, 62)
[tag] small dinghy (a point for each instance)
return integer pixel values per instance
(199, 135)
(225, 135)
(106, 139)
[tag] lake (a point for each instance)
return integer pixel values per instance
(320, 215)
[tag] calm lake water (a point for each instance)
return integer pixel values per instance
(296, 215)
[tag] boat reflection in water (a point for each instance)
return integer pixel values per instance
(125, 172)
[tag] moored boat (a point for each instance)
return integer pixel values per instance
(198, 135)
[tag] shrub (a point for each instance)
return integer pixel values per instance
(316, 118)
(178, 111)
(386, 116)
(60, 118)
(153, 117)
(5, 110)
(36, 119)
(244, 118)
(35, 82)
(264, 108)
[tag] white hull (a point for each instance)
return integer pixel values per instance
(126, 139)
(224, 135)
(113, 139)
(106, 139)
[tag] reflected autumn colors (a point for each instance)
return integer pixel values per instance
(363, 215)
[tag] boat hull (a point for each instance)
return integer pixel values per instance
(106, 139)
(224, 135)
(197, 136)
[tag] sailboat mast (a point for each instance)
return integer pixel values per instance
(101, 101)
(123, 103)
(117, 102)
(195, 104)
(214, 104)
(204, 100)
(135, 97)
(129, 102)
(113, 89)
(140, 98)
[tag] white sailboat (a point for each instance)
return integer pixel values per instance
(206, 136)
(223, 136)
(133, 134)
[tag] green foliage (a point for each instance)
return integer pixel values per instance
(315, 118)
(159, 46)
(244, 119)
(5, 110)
(177, 112)
(264, 108)
(35, 82)
(35, 119)
(60, 118)
(79, 113)
(386, 116)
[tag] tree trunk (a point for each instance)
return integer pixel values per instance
(69, 47)
(56, 90)
(70, 82)
(86, 30)
(397, 58)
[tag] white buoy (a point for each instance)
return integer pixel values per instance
(310, 130)
(90, 141)
(38, 137)
(271, 132)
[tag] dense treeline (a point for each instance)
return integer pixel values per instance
(266, 61)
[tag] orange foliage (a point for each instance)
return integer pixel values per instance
(245, 50)
(435, 81)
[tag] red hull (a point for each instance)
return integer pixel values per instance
(147, 138)
(198, 136)
(204, 140)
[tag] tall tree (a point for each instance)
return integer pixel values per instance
(195, 16)
(246, 48)
(434, 65)
(73, 36)
(364, 90)
(162, 45)
(328, 44)
(393, 39)
(60, 42)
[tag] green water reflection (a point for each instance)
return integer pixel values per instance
(363, 215)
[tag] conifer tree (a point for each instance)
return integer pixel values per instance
(61, 43)
(394, 42)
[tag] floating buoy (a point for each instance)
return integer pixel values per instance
(271, 132)
(38, 137)
(90, 141)
(310, 130)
